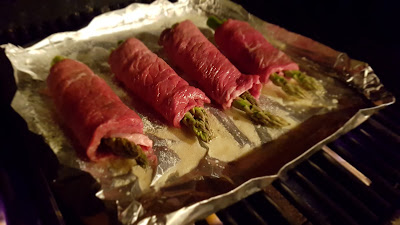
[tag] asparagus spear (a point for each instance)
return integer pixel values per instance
(307, 82)
(57, 59)
(124, 148)
(214, 22)
(196, 120)
(119, 43)
(249, 105)
(288, 88)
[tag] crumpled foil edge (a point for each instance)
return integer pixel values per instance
(204, 208)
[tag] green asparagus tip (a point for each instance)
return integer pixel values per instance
(305, 81)
(196, 119)
(119, 43)
(124, 148)
(174, 25)
(250, 98)
(288, 88)
(215, 22)
(57, 59)
(256, 114)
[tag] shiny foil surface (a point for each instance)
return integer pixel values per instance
(194, 180)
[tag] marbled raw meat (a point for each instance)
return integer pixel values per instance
(92, 111)
(191, 51)
(248, 49)
(154, 81)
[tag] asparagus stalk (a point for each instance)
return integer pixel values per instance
(196, 120)
(57, 59)
(119, 43)
(214, 22)
(288, 88)
(249, 105)
(124, 148)
(307, 82)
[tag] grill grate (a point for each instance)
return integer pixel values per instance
(324, 192)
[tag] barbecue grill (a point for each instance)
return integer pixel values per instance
(353, 180)
(322, 191)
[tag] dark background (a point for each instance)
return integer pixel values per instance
(366, 30)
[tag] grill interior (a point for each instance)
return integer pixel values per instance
(317, 191)
(321, 191)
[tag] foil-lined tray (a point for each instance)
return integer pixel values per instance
(193, 181)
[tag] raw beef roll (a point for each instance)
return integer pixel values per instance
(95, 114)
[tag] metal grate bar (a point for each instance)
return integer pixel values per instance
(381, 144)
(389, 117)
(379, 131)
(384, 139)
(255, 211)
(388, 153)
(304, 201)
(367, 195)
(371, 159)
(392, 112)
(225, 217)
(341, 196)
(379, 184)
(390, 121)
(242, 214)
(338, 215)
(266, 208)
(350, 168)
(282, 204)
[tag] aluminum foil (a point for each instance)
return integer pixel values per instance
(194, 180)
